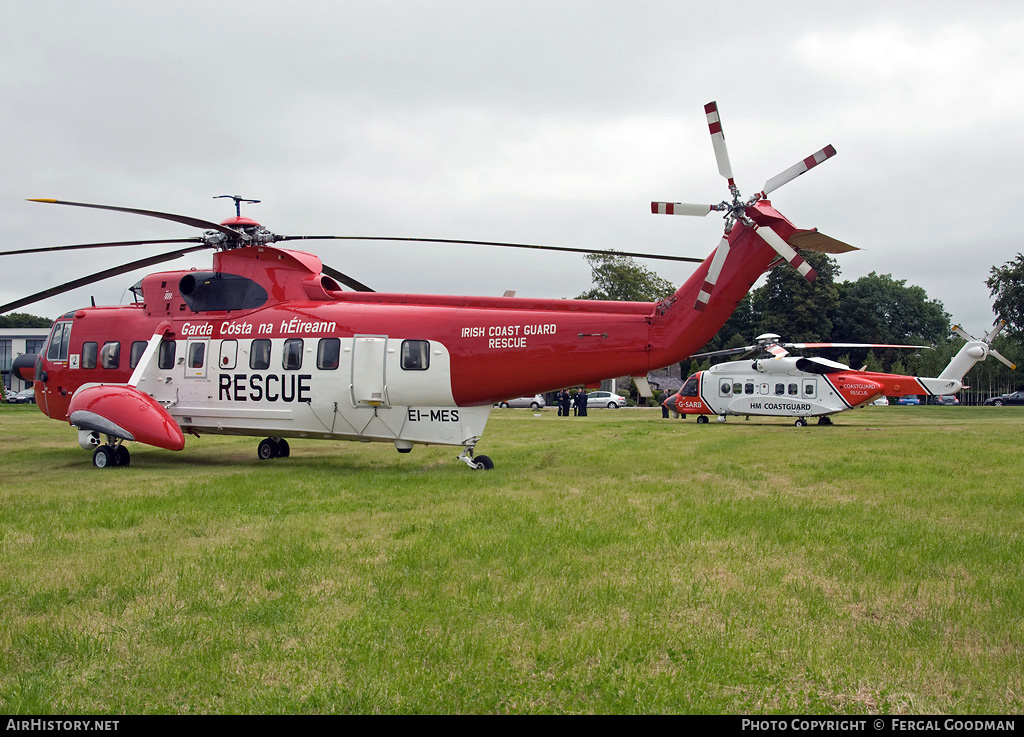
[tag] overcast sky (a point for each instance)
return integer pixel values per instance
(540, 122)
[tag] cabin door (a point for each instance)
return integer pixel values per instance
(368, 371)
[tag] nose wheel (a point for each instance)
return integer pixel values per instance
(107, 456)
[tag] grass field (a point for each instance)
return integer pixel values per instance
(619, 563)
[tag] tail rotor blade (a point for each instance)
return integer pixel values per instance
(782, 248)
(995, 331)
(797, 169)
(680, 208)
(964, 334)
(994, 352)
(718, 141)
(717, 262)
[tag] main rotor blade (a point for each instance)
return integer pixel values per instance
(348, 281)
(680, 208)
(631, 254)
(782, 248)
(799, 168)
(98, 276)
(183, 219)
(802, 346)
(99, 245)
(726, 352)
(718, 141)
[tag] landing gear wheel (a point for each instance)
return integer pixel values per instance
(266, 450)
(283, 450)
(103, 457)
(483, 463)
(121, 456)
(824, 420)
(801, 422)
(702, 419)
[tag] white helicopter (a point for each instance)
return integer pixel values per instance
(779, 385)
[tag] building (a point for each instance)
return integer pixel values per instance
(13, 343)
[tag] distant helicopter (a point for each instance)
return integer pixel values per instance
(266, 342)
(779, 385)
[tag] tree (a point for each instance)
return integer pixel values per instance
(1007, 285)
(23, 320)
(620, 278)
(794, 308)
(879, 309)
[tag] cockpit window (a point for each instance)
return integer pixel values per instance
(690, 387)
(60, 336)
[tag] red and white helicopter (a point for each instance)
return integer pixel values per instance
(266, 342)
(779, 385)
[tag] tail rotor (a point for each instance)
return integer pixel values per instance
(736, 209)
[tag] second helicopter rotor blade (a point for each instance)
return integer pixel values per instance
(98, 276)
(630, 254)
(112, 244)
(801, 167)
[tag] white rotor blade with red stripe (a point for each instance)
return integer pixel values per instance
(782, 248)
(680, 208)
(718, 140)
(797, 169)
(717, 262)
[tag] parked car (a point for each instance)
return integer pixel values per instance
(1014, 398)
(881, 402)
(534, 402)
(947, 399)
(911, 399)
(25, 396)
(605, 399)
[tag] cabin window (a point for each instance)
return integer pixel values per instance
(90, 350)
(794, 389)
(110, 355)
(748, 388)
(259, 354)
(166, 357)
(415, 355)
(328, 354)
(780, 389)
(808, 388)
(725, 388)
(59, 339)
(138, 348)
(292, 358)
(228, 354)
(214, 292)
(196, 354)
(737, 388)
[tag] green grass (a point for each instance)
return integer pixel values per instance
(619, 563)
